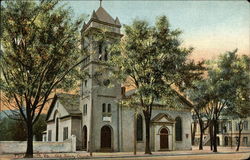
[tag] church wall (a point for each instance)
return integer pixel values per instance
(62, 123)
(67, 122)
(58, 112)
(127, 124)
(58, 107)
(127, 121)
(85, 119)
(98, 122)
(51, 126)
(186, 128)
(76, 130)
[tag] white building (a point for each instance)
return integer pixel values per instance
(97, 116)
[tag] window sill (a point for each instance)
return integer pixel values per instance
(140, 141)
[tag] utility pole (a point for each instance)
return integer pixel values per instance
(135, 132)
(231, 134)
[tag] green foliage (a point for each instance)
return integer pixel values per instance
(40, 47)
(5, 129)
(225, 87)
(40, 127)
(239, 105)
(15, 130)
(153, 58)
(224, 92)
(41, 52)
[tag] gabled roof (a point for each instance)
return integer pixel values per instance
(181, 99)
(69, 101)
(159, 116)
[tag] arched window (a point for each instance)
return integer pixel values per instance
(103, 107)
(178, 129)
(245, 125)
(105, 54)
(109, 108)
(57, 128)
(100, 50)
(139, 128)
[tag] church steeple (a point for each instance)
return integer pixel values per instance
(100, 18)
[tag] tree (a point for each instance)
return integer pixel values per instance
(197, 94)
(152, 58)
(15, 130)
(225, 77)
(40, 127)
(239, 106)
(5, 129)
(40, 52)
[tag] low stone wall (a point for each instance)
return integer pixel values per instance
(38, 146)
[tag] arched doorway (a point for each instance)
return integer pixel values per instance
(106, 135)
(164, 138)
(85, 133)
(226, 141)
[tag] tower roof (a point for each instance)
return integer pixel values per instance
(117, 21)
(94, 16)
(104, 16)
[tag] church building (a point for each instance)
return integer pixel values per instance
(98, 117)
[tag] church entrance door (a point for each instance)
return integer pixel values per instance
(164, 139)
(106, 138)
(84, 130)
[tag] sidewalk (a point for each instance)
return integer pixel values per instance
(223, 153)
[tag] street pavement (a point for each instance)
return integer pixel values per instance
(224, 153)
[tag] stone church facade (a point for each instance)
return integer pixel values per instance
(97, 116)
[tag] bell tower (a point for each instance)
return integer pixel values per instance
(99, 94)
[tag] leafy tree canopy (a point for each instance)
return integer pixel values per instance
(41, 52)
(153, 59)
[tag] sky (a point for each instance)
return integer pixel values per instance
(211, 27)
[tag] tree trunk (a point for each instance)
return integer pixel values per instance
(147, 124)
(215, 135)
(193, 132)
(238, 144)
(201, 135)
(211, 136)
(29, 151)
